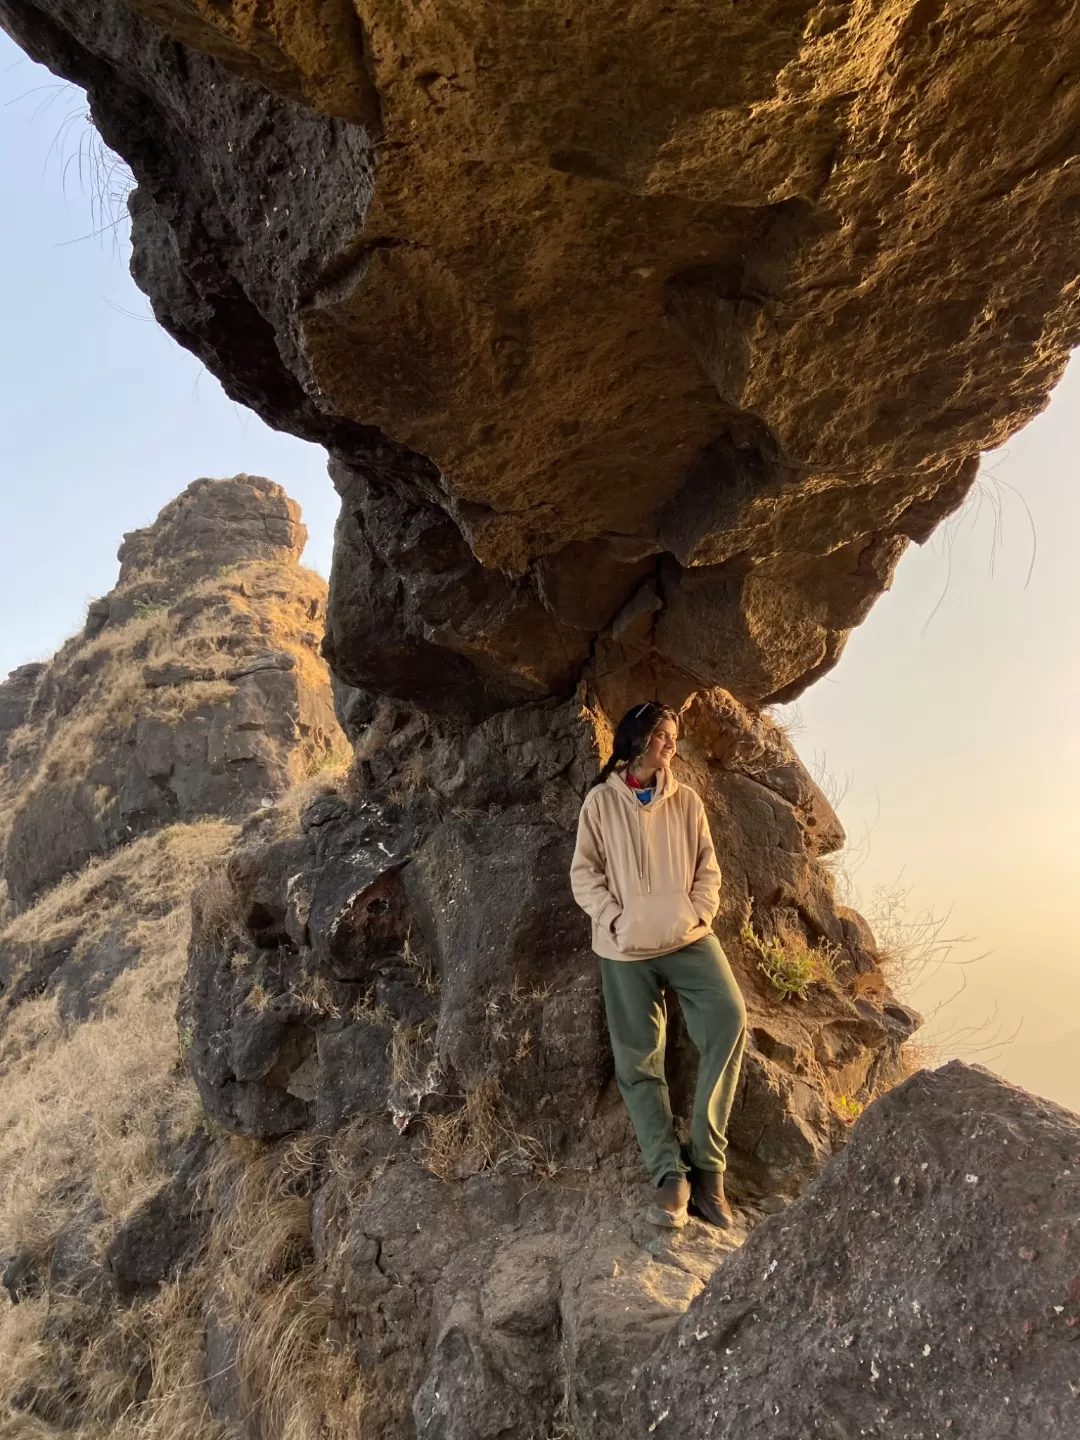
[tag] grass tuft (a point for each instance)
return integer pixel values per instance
(792, 970)
(481, 1135)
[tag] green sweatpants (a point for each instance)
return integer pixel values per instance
(715, 1015)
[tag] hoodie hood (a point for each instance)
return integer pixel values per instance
(666, 786)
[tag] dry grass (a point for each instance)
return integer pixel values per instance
(481, 1135)
(264, 605)
(88, 1101)
(136, 884)
(315, 993)
(792, 968)
(215, 915)
(413, 1064)
(330, 778)
(259, 1277)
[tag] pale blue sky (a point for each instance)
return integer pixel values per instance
(952, 718)
(103, 418)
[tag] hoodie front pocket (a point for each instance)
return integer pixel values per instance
(652, 923)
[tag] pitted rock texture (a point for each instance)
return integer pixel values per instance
(410, 975)
(927, 1284)
(196, 688)
(435, 906)
(666, 327)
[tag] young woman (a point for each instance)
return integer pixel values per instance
(645, 872)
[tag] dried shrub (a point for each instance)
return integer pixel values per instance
(481, 1135)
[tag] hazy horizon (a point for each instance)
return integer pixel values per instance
(948, 724)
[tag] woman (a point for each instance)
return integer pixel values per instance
(645, 872)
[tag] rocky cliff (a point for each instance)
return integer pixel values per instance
(195, 688)
(194, 693)
(643, 340)
(193, 697)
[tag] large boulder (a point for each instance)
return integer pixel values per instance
(927, 1284)
(645, 340)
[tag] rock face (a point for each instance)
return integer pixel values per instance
(923, 1286)
(410, 973)
(644, 340)
(435, 906)
(194, 689)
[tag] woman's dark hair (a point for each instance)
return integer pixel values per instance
(633, 733)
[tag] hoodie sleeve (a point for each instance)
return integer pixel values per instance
(705, 891)
(588, 870)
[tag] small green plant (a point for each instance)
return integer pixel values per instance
(213, 1129)
(145, 608)
(791, 973)
(848, 1108)
(187, 1038)
(337, 758)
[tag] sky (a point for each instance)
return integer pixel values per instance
(103, 417)
(948, 732)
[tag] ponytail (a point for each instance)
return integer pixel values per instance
(604, 773)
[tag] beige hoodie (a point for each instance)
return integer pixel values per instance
(645, 874)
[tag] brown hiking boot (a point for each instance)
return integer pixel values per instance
(669, 1207)
(707, 1198)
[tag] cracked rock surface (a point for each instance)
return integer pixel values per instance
(195, 688)
(660, 331)
(928, 1289)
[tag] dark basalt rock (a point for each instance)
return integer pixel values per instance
(21, 1278)
(926, 1284)
(719, 362)
(163, 1235)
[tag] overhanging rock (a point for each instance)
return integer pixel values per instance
(706, 310)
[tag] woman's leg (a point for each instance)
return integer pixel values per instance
(715, 1014)
(637, 1024)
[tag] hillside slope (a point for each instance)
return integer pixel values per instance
(195, 688)
(194, 696)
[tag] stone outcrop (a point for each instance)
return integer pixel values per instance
(195, 688)
(644, 340)
(410, 973)
(642, 343)
(927, 1284)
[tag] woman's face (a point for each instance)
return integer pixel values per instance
(661, 748)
